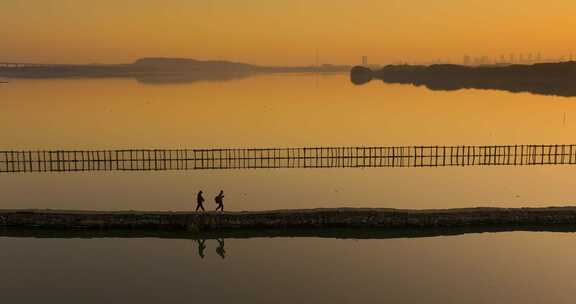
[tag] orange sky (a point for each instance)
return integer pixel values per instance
(284, 32)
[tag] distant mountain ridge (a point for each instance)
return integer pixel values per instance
(192, 64)
(161, 70)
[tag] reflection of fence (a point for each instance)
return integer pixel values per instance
(333, 157)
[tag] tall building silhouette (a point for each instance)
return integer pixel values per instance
(365, 60)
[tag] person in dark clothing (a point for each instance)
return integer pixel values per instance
(220, 201)
(199, 201)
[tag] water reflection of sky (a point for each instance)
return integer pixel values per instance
(472, 268)
(279, 111)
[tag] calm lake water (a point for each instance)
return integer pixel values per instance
(284, 111)
(279, 111)
(511, 267)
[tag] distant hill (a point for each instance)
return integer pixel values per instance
(160, 70)
(187, 66)
(543, 78)
(191, 65)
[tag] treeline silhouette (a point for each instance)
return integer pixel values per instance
(543, 78)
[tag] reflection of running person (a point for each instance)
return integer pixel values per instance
(201, 247)
(220, 201)
(220, 250)
(199, 201)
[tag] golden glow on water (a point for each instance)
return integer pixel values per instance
(282, 31)
(272, 111)
(284, 111)
(280, 110)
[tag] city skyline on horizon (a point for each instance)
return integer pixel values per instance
(466, 59)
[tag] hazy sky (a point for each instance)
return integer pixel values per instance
(282, 31)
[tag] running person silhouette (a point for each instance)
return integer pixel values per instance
(220, 201)
(199, 201)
